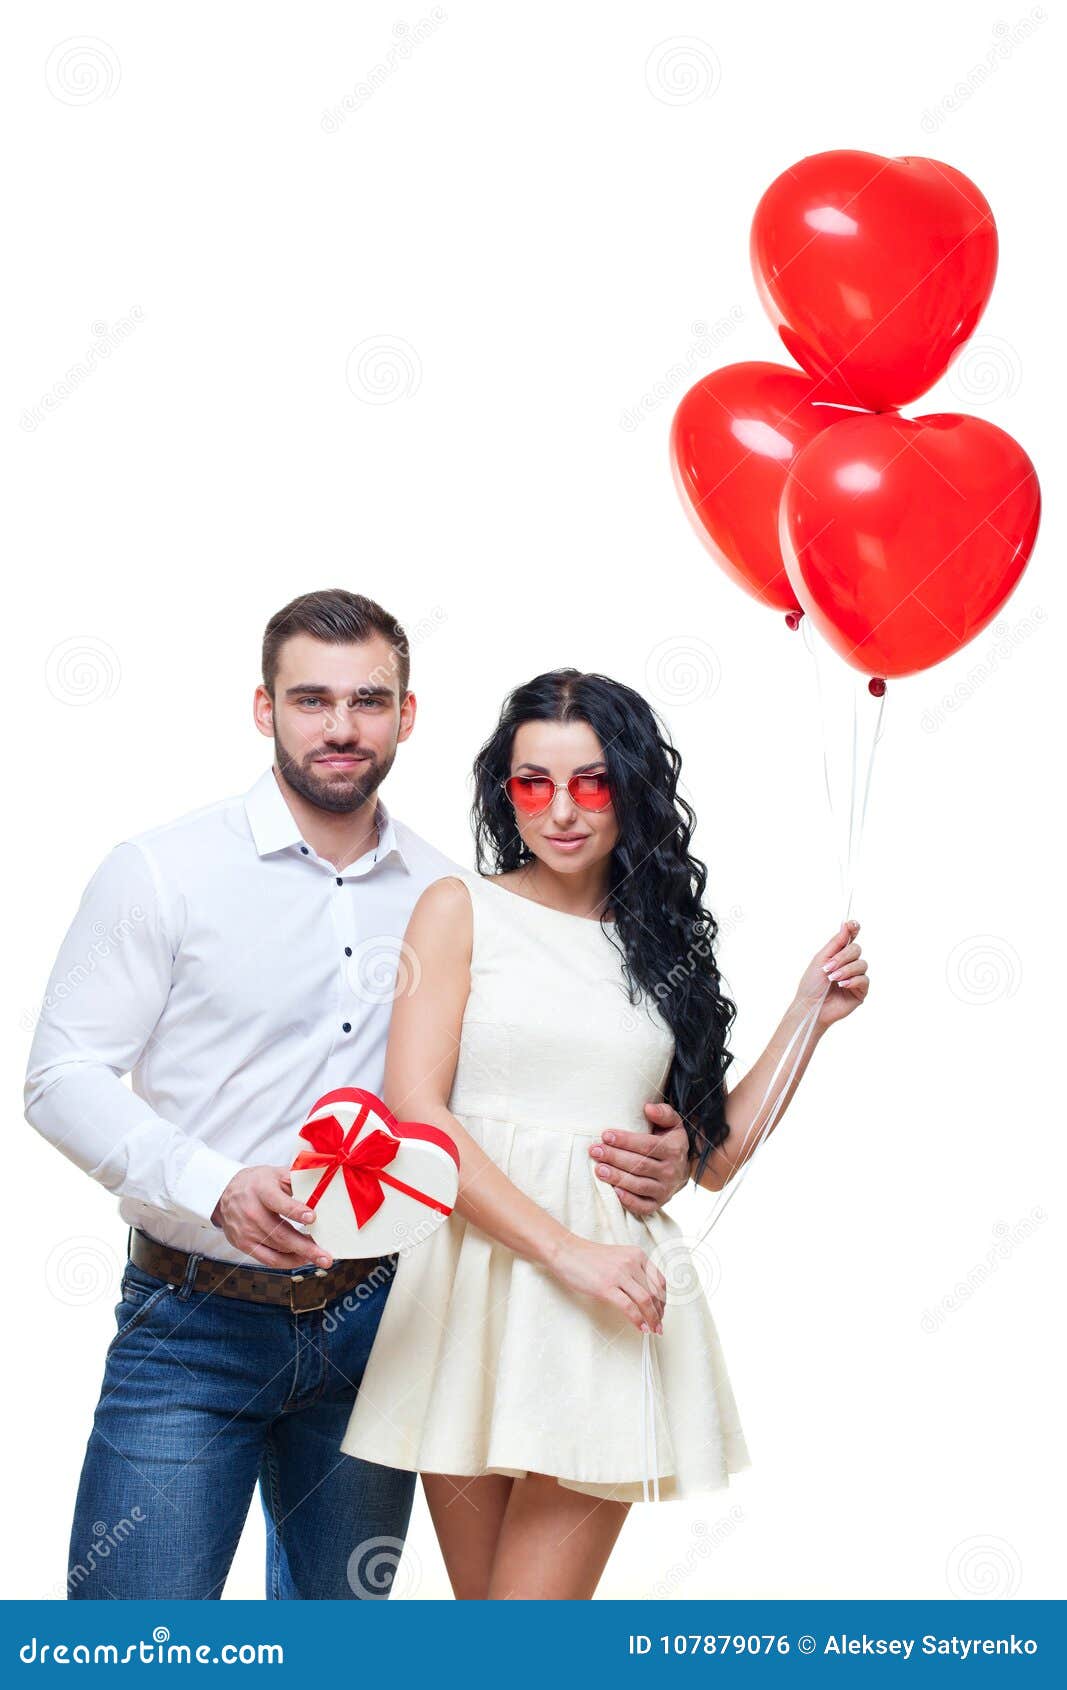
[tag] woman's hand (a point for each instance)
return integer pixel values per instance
(840, 962)
(619, 1274)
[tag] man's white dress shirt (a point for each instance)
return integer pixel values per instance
(236, 976)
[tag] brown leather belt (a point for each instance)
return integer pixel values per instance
(303, 1293)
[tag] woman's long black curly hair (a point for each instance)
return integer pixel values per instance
(656, 884)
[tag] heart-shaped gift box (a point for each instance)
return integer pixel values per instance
(377, 1185)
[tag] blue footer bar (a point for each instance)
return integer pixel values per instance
(519, 1644)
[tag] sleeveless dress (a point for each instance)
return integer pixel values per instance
(483, 1363)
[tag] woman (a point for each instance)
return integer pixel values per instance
(554, 999)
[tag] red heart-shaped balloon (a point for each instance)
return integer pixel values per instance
(733, 438)
(903, 536)
(873, 270)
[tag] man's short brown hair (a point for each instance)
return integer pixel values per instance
(339, 618)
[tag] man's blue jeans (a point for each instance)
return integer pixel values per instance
(202, 1396)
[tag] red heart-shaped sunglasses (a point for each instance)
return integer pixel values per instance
(532, 794)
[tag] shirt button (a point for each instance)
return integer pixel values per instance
(340, 882)
(303, 850)
(346, 1026)
(348, 950)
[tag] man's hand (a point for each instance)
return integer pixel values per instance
(254, 1212)
(645, 1169)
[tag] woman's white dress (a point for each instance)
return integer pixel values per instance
(483, 1363)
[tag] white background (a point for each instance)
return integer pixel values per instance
(539, 219)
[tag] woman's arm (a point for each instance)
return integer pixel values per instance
(840, 962)
(424, 1037)
(742, 1103)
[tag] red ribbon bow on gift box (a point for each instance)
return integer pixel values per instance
(362, 1162)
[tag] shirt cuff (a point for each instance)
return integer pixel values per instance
(202, 1181)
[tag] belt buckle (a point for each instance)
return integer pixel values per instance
(304, 1308)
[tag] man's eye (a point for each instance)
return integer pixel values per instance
(309, 700)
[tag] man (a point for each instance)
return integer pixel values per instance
(255, 951)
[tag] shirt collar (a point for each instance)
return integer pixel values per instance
(275, 828)
(388, 841)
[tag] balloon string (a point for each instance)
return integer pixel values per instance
(848, 864)
(801, 1035)
(852, 803)
(879, 729)
(650, 1478)
(806, 635)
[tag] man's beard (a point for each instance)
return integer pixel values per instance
(329, 789)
